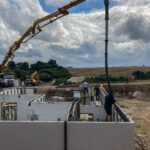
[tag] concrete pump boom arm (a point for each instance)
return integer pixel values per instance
(34, 30)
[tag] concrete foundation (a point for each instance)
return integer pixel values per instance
(73, 135)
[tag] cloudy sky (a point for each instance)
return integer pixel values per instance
(77, 40)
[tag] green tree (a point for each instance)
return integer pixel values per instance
(47, 71)
(121, 78)
(23, 65)
(45, 77)
(138, 75)
(147, 75)
(12, 65)
(21, 74)
(38, 65)
(52, 63)
(59, 81)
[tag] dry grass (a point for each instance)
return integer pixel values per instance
(114, 71)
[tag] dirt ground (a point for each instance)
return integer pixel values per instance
(139, 111)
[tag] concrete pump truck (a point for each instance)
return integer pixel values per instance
(35, 29)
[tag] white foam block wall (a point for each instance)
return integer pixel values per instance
(100, 136)
(31, 136)
(80, 135)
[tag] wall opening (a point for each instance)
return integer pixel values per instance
(8, 111)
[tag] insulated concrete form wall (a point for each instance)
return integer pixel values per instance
(97, 111)
(74, 113)
(22, 91)
(51, 111)
(14, 91)
(23, 110)
(102, 96)
(31, 135)
(80, 136)
(100, 136)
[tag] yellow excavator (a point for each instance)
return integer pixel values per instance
(32, 79)
(35, 29)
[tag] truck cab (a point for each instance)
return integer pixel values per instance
(6, 79)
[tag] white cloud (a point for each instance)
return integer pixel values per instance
(132, 2)
(78, 39)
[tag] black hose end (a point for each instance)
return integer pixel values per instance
(106, 2)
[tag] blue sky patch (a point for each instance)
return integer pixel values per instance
(86, 6)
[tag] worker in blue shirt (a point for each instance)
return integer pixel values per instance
(97, 92)
(109, 100)
(85, 87)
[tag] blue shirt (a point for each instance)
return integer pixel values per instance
(85, 84)
(109, 100)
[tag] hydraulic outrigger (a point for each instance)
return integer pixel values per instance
(35, 29)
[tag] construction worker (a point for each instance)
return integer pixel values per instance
(97, 92)
(85, 87)
(92, 96)
(109, 100)
(102, 87)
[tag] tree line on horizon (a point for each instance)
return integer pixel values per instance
(51, 70)
(137, 75)
(47, 71)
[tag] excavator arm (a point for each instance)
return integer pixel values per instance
(35, 29)
(34, 77)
